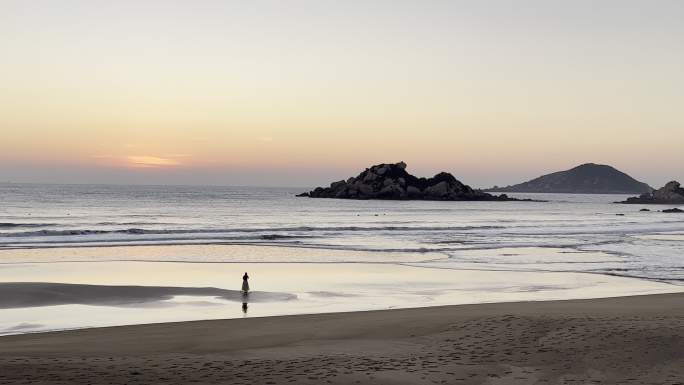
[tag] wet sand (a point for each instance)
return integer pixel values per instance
(32, 294)
(629, 340)
(56, 296)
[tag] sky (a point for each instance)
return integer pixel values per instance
(301, 93)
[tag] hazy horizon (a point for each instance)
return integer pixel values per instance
(332, 176)
(307, 92)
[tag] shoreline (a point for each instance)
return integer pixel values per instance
(608, 340)
(468, 306)
(351, 312)
(88, 295)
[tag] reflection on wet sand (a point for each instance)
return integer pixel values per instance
(245, 301)
(36, 294)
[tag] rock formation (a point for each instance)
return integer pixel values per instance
(391, 181)
(670, 194)
(588, 178)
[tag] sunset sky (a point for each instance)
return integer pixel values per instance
(298, 93)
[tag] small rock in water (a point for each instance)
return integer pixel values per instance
(675, 210)
(644, 210)
(672, 193)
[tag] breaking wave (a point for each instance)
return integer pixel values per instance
(139, 231)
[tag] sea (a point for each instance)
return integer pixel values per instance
(329, 254)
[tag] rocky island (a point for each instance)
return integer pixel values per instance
(588, 178)
(670, 194)
(393, 182)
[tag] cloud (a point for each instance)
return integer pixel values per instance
(151, 161)
(265, 139)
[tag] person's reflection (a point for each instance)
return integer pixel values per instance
(245, 300)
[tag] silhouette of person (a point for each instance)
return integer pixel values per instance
(245, 283)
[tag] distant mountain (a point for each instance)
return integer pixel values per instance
(588, 178)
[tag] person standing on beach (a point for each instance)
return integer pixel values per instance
(245, 283)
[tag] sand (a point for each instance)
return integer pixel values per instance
(629, 340)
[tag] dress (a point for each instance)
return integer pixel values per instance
(245, 283)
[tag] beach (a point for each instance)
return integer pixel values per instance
(131, 284)
(628, 340)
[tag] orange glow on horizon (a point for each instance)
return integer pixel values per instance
(151, 161)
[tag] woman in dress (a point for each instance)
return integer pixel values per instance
(245, 284)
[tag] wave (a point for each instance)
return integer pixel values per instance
(133, 223)
(61, 233)
(506, 231)
(10, 225)
(139, 231)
